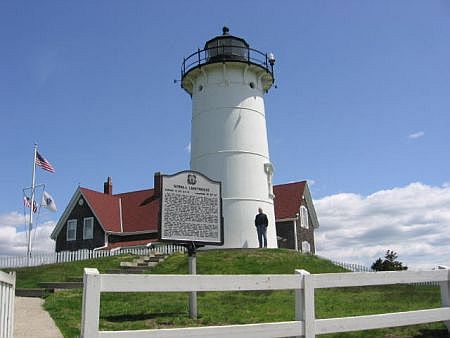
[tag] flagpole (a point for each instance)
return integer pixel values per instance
(30, 225)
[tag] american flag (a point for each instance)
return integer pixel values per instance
(27, 203)
(43, 163)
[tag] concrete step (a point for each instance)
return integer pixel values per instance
(134, 270)
(61, 285)
(33, 292)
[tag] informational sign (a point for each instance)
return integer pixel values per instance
(191, 209)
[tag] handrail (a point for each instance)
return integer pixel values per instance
(244, 54)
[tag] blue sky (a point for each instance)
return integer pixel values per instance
(362, 104)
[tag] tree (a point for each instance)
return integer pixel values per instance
(389, 263)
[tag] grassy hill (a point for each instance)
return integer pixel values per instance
(122, 311)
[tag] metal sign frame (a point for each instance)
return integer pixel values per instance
(184, 184)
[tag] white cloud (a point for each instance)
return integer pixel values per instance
(419, 134)
(13, 237)
(413, 220)
(188, 148)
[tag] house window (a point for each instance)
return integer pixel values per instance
(306, 247)
(71, 229)
(88, 228)
(304, 221)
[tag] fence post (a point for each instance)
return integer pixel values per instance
(7, 292)
(445, 296)
(91, 303)
(300, 298)
(310, 311)
(12, 300)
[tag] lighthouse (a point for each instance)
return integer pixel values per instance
(227, 81)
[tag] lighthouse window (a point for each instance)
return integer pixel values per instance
(252, 85)
(200, 88)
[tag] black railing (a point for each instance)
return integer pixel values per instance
(226, 53)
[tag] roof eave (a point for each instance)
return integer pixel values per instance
(62, 220)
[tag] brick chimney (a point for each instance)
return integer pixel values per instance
(107, 186)
(157, 180)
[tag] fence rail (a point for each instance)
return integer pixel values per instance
(7, 290)
(72, 256)
(304, 284)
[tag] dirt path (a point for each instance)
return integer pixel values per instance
(31, 320)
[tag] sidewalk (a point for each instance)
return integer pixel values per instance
(32, 321)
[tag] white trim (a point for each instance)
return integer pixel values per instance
(84, 227)
(120, 214)
(285, 220)
(310, 206)
(73, 202)
(295, 235)
(71, 222)
(64, 217)
(105, 241)
(131, 232)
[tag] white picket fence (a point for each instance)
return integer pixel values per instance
(39, 259)
(304, 284)
(7, 290)
(351, 266)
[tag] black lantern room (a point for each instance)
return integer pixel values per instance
(226, 47)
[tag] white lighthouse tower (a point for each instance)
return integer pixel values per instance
(227, 81)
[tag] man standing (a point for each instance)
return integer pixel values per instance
(261, 223)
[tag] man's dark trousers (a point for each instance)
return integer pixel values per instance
(262, 235)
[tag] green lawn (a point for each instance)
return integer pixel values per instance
(121, 311)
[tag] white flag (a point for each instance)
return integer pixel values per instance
(48, 202)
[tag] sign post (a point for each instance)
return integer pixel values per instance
(191, 214)
(192, 262)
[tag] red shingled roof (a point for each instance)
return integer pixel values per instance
(105, 207)
(139, 210)
(288, 199)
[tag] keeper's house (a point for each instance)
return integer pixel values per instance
(106, 221)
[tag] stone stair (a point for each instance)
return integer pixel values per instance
(33, 292)
(139, 265)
